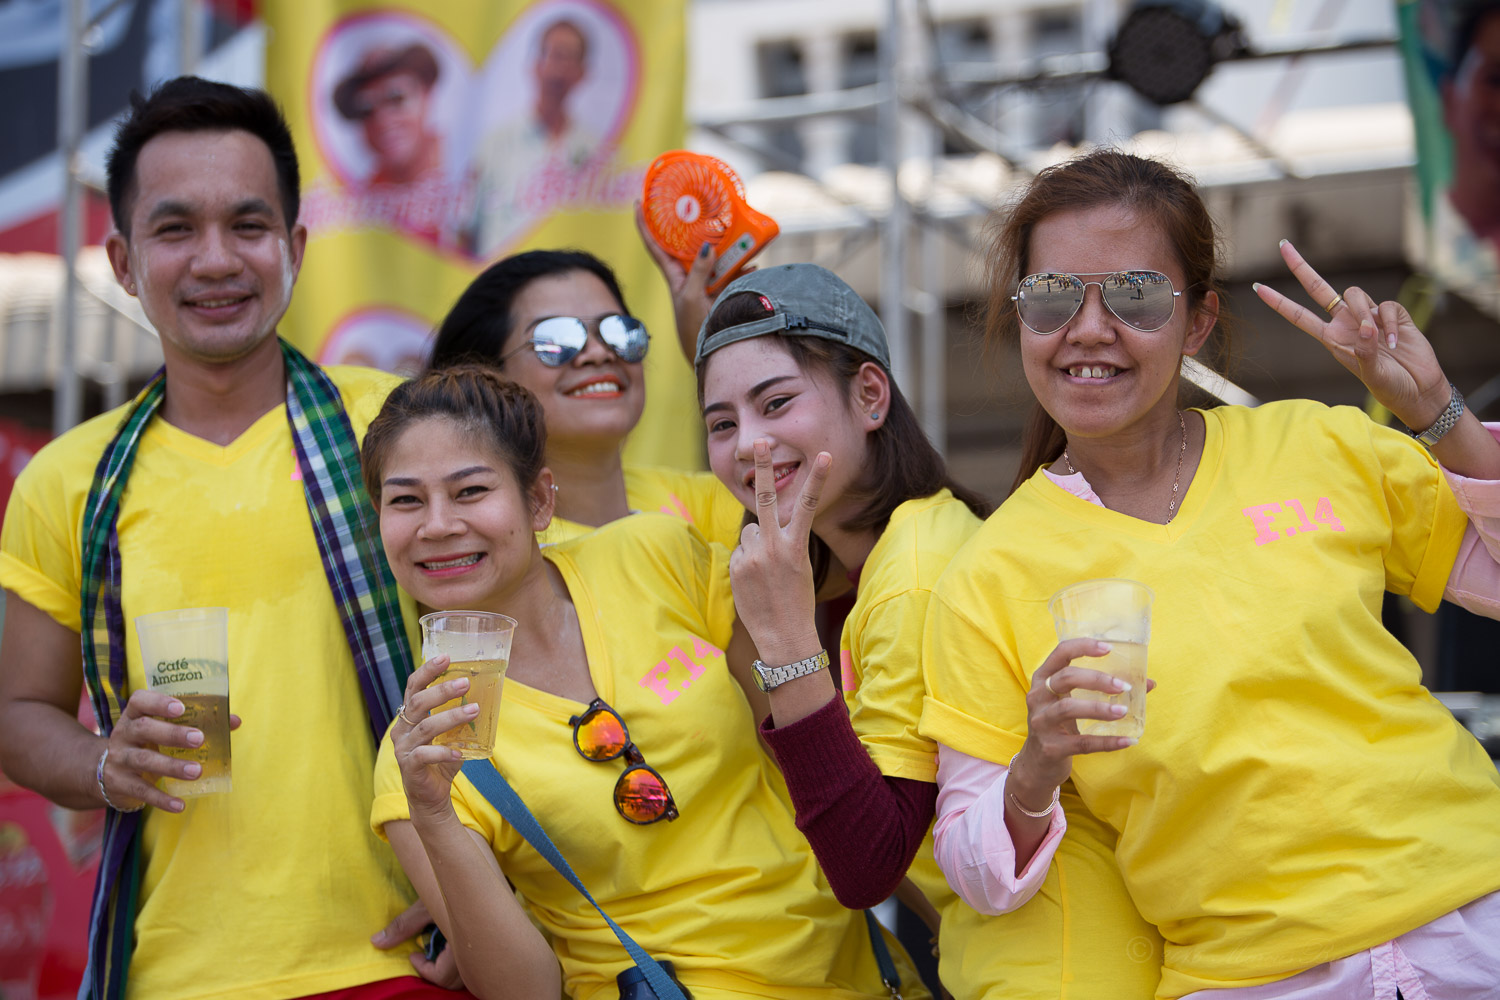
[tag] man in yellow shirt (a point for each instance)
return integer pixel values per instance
(233, 498)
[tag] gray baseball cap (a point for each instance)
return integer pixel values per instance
(806, 301)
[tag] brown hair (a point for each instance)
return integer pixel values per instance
(901, 465)
(500, 413)
(1103, 177)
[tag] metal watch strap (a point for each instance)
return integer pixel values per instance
(1445, 421)
(770, 678)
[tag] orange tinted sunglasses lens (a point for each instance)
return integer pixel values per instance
(641, 796)
(600, 735)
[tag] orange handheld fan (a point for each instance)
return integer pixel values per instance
(691, 199)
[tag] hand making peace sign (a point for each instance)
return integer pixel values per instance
(1378, 343)
(770, 572)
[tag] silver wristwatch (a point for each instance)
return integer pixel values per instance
(768, 678)
(1445, 421)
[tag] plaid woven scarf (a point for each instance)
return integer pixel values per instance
(363, 588)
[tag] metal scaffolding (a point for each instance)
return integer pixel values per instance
(917, 109)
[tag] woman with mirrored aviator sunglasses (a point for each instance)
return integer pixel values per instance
(618, 726)
(1301, 818)
(555, 321)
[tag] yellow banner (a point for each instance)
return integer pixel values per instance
(435, 137)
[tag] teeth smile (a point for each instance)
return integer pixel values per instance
(595, 388)
(467, 560)
(1093, 371)
(780, 474)
(216, 303)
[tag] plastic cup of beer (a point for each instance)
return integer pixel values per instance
(186, 654)
(477, 644)
(1119, 613)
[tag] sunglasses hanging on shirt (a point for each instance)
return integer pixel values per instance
(641, 793)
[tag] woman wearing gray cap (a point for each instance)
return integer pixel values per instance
(806, 426)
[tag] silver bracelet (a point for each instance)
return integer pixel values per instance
(1446, 420)
(1056, 794)
(99, 777)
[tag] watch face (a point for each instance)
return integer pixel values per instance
(758, 670)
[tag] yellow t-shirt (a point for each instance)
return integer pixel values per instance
(273, 889)
(1298, 795)
(696, 497)
(1080, 938)
(880, 655)
(729, 891)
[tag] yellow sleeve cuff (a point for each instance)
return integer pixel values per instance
(1448, 525)
(388, 808)
(894, 763)
(40, 592)
(967, 734)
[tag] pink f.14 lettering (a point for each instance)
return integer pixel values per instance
(1261, 518)
(675, 674)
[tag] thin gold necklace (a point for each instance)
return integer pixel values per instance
(1176, 479)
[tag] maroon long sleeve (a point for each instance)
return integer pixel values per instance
(864, 827)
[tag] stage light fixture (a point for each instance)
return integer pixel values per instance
(1164, 49)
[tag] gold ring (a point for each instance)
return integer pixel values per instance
(1333, 304)
(1048, 685)
(401, 713)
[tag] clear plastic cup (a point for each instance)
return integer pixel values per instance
(185, 654)
(1118, 612)
(477, 644)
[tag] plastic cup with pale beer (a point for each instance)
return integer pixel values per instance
(1118, 612)
(185, 653)
(477, 644)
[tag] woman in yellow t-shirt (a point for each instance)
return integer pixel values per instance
(794, 377)
(618, 726)
(555, 321)
(1301, 818)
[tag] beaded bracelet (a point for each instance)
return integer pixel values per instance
(99, 777)
(1056, 795)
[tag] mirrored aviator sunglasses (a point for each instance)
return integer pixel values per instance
(558, 339)
(1142, 300)
(641, 794)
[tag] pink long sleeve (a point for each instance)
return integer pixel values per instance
(972, 843)
(1474, 583)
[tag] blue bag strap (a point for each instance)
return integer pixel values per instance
(493, 786)
(889, 976)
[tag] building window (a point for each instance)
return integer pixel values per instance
(1060, 107)
(965, 42)
(861, 68)
(782, 74)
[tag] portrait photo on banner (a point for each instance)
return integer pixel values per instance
(471, 157)
(383, 337)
